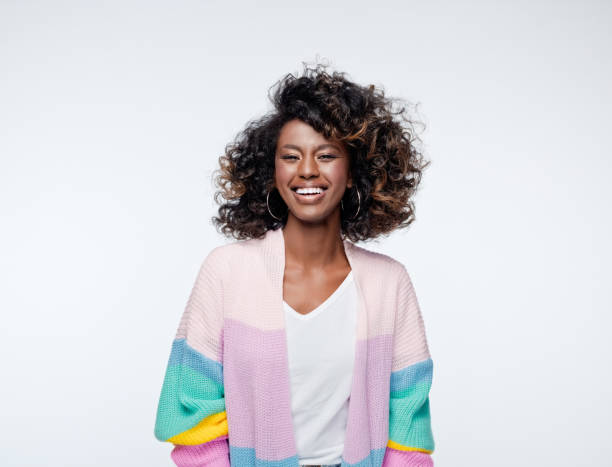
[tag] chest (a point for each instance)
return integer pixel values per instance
(307, 292)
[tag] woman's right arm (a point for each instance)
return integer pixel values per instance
(191, 410)
(411, 441)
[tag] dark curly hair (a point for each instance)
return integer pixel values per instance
(385, 161)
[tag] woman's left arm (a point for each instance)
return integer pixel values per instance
(411, 440)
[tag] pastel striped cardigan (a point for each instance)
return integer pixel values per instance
(225, 398)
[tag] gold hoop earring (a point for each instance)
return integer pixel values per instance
(268, 205)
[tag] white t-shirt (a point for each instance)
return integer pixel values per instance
(321, 347)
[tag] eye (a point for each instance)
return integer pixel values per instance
(322, 156)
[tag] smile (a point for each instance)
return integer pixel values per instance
(309, 196)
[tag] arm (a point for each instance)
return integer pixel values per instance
(410, 436)
(191, 410)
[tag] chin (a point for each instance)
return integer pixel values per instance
(311, 218)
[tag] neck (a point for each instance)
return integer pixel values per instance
(312, 246)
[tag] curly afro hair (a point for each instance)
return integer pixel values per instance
(385, 161)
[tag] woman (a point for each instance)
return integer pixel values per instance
(298, 347)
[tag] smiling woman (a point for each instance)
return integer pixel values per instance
(298, 347)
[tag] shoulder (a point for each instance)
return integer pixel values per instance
(380, 262)
(224, 257)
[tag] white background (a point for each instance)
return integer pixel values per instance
(113, 115)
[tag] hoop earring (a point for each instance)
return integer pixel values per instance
(268, 204)
(358, 204)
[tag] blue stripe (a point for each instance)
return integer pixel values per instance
(418, 373)
(374, 459)
(239, 457)
(183, 354)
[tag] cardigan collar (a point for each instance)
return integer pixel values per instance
(274, 252)
(274, 244)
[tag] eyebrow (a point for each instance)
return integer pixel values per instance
(318, 148)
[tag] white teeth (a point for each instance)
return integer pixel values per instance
(307, 191)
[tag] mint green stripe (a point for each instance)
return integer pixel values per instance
(187, 397)
(409, 415)
(410, 423)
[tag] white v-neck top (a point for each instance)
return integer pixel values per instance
(321, 348)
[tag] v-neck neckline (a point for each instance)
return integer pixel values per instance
(325, 303)
(277, 248)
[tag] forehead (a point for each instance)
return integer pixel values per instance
(297, 132)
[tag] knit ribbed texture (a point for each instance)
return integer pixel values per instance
(213, 454)
(225, 399)
(191, 411)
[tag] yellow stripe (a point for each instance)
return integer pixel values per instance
(401, 447)
(208, 429)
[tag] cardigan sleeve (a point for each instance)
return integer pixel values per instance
(410, 435)
(191, 410)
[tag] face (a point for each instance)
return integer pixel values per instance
(306, 158)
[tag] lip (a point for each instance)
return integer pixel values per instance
(324, 187)
(309, 199)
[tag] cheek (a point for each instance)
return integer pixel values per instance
(281, 173)
(338, 174)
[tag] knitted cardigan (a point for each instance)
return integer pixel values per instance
(225, 397)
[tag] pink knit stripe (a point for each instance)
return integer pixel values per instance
(256, 379)
(372, 394)
(378, 294)
(395, 458)
(410, 345)
(202, 320)
(215, 453)
(258, 275)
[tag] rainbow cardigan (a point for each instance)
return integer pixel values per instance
(225, 398)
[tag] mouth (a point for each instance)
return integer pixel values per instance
(306, 190)
(309, 195)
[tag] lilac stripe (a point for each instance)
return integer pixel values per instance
(371, 408)
(214, 453)
(259, 413)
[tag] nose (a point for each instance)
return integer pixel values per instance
(308, 167)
